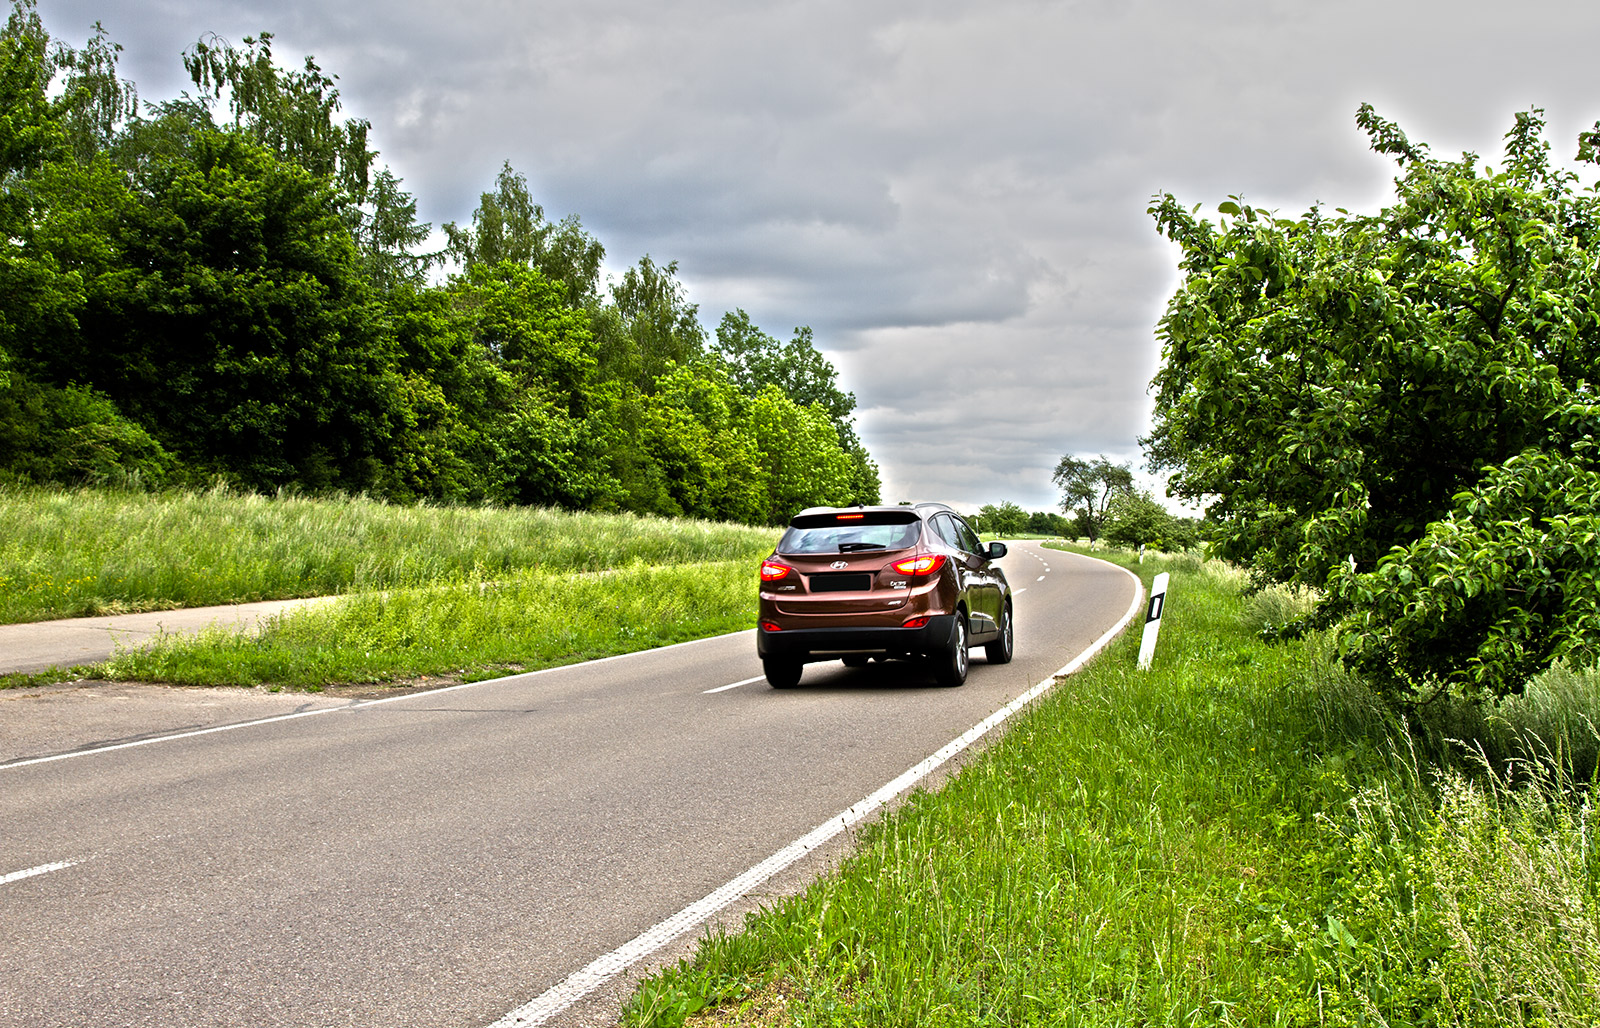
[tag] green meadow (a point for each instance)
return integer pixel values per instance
(77, 552)
(421, 590)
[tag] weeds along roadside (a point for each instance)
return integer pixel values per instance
(468, 629)
(77, 552)
(1242, 835)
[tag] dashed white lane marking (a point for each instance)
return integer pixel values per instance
(354, 705)
(584, 981)
(42, 869)
(1039, 579)
(735, 685)
(1015, 592)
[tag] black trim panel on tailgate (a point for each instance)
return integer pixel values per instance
(841, 582)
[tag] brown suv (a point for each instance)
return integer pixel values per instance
(863, 582)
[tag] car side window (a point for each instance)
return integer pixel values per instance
(945, 527)
(969, 538)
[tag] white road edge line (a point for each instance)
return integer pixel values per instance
(584, 981)
(735, 685)
(42, 869)
(356, 705)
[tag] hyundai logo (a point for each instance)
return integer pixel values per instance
(840, 564)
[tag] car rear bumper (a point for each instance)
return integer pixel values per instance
(813, 644)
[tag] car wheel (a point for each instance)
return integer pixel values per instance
(950, 667)
(856, 661)
(999, 651)
(782, 674)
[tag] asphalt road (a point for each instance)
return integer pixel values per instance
(446, 857)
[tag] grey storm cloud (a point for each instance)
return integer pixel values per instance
(951, 194)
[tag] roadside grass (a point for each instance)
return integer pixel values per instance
(468, 628)
(78, 552)
(1242, 836)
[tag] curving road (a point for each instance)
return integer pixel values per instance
(448, 858)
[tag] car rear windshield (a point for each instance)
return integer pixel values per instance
(850, 532)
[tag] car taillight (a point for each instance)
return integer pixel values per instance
(917, 567)
(917, 622)
(772, 571)
(769, 626)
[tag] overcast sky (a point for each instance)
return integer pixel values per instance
(952, 195)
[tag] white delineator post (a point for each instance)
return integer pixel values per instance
(1152, 621)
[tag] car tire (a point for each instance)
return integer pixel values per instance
(782, 674)
(856, 661)
(999, 651)
(950, 667)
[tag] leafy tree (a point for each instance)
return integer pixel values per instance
(508, 227)
(235, 324)
(72, 434)
(1004, 518)
(697, 432)
(649, 326)
(801, 455)
(1395, 406)
(95, 101)
(544, 456)
(57, 194)
(522, 320)
(386, 231)
(454, 394)
(1134, 517)
(1048, 522)
(292, 114)
(1087, 488)
(754, 359)
(30, 136)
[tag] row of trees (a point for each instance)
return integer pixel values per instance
(1398, 409)
(1006, 518)
(229, 284)
(1104, 504)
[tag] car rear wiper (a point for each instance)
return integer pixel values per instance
(853, 547)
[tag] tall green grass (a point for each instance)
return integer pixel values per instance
(68, 553)
(530, 620)
(1242, 836)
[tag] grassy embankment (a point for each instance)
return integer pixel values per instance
(1240, 836)
(464, 591)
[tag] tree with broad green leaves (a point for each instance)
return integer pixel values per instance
(1002, 519)
(293, 115)
(1047, 522)
(229, 317)
(753, 359)
(226, 284)
(1087, 487)
(1136, 518)
(649, 326)
(1397, 408)
(509, 226)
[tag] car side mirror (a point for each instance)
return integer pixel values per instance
(997, 550)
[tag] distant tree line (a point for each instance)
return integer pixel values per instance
(230, 284)
(1006, 518)
(1104, 504)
